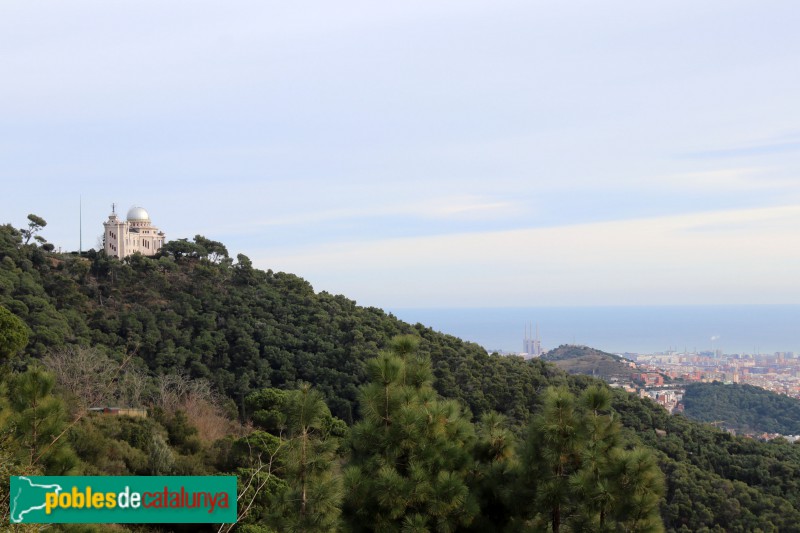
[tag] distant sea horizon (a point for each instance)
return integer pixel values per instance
(620, 329)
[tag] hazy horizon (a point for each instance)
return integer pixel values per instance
(619, 329)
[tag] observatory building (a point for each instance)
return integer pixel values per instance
(136, 234)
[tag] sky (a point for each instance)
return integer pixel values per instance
(424, 154)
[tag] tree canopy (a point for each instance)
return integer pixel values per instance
(13, 334)
(205, 334)
(743, 408)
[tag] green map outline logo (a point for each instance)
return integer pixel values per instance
(16, 516)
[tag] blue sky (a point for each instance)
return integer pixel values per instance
(424, 154)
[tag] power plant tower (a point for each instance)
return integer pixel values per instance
(532, 345)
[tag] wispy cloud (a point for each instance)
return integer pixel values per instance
(769, 147)
(465, 206)
(455, 207)
(651, 260)
(726, 179)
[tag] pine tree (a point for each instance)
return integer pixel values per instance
(313, 494)
(410, 453)
(577, 474)
(600, 441)
(639, 487)
(35, 225)
(37, 421)
(494, 472)
(552, 456)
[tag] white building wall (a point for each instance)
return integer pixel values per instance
(136, 234)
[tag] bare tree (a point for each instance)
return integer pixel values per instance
(99, 392)
(171, 391)
(92, 379)
(260, 475)
(198, 400)
(86, 374)
(132, 385)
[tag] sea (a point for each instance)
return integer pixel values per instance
(753, 329)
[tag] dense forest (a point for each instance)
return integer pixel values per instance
(744, 408)
(240, 368)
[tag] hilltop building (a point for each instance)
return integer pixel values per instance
(531, 346)
(136, 234)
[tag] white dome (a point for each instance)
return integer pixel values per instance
(138, 213)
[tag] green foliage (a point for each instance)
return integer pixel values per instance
(196, 313)
(181, 434)
(576, 473)
(180, 248)
(215, 251)
(35, 225)
(37, 421)
(271, 410)
(584, 360)
(241, 328)
(744, 408)
(410, 454)
(714, 479)
(267, 409)
(161, 459)
(114, 445)
(254, 460)
(10, 465)
(311, 500)
(494, 474)
(13, 335)
(572, 351)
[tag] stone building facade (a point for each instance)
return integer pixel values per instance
(122, 238)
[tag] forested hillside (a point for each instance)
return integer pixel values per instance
(584, 360)
(194, 327)
(237, 326)
(744, 408)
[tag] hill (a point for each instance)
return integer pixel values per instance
(745, 408)
(239, 327)
(591, 362)
(207, 316)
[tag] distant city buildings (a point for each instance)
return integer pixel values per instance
(669, 399)
(649, 379)
(778, 372)
(122, 238)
